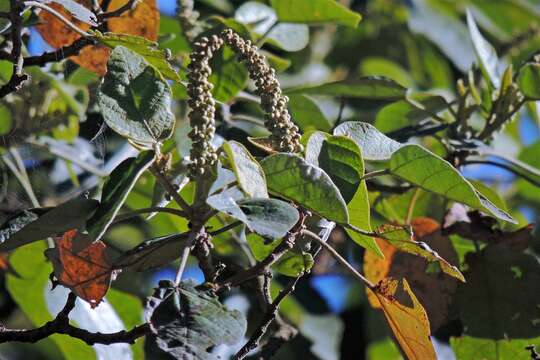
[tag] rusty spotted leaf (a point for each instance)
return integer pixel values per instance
(141, 21)
(82, 265)
(434, 289)
(409, 324)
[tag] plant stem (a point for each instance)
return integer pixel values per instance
(339, 258)
(410, 208)
(375, 173)
(130, 214)
(156, 171)
(225, 228)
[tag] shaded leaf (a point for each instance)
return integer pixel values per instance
(144, 47)
(404, 113)
(315, 12)
(410, 325)
(248, 171)
(341, 157)
(374, 144)
(116, 190)
(228, 76)
(152, 253)
(38, 224)
(270, 218)
(295, 179)
(134, 100)
(485, 53)
(369, 87)
(86, 272)
(529, 81)
(421, 167)
(185, 321)
(307, 115)
(292, 263)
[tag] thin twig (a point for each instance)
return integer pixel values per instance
(130, 214)
(169, 188)
(376, 173)
(339, 258)
(60, 54)
(17, 77)
(59, 16)
(225, 228)
(410, 208)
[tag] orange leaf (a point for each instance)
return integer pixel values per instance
(86, 271)
(141, 21)
(434, 289)
(410, 325)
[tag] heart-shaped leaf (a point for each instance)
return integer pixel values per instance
(295, 179)
(134, 100)
(186, 320)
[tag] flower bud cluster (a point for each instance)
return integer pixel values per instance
(284, 133)
(202, 105)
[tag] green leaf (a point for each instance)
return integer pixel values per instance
(529, 81)
(342, 159)
(38, 224)
(374, 145)
(29, 292)
(289, 37)
(293, 178)
(529, 157)
(144, 47)
(485, 53)
(270, 218)
(152, 253)
(467, 347)
(116, 190)
(404, 113)
(307, 115)
(248, 171)
(401, 238)
(134, 100)
(6, 122)
(228, 75)
(421, 167)
(380, 66)
(369, 87)
(315, 12)
(186, 320)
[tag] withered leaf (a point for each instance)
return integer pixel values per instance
(86, 270)
(410, 325)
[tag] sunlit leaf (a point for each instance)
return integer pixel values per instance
(315, 12)
(270, 218)
(529, 81)
(306, 114)
(374, 144)
(410, 325)
(134, 100)
(249, 174)
(421, 167)
(295, 179)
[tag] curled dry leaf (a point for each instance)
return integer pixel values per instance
(409, 324)
(82, 266)
(141, 21)
(434, 289)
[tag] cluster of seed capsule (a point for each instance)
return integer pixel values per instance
(202, 105)
(284, 133)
